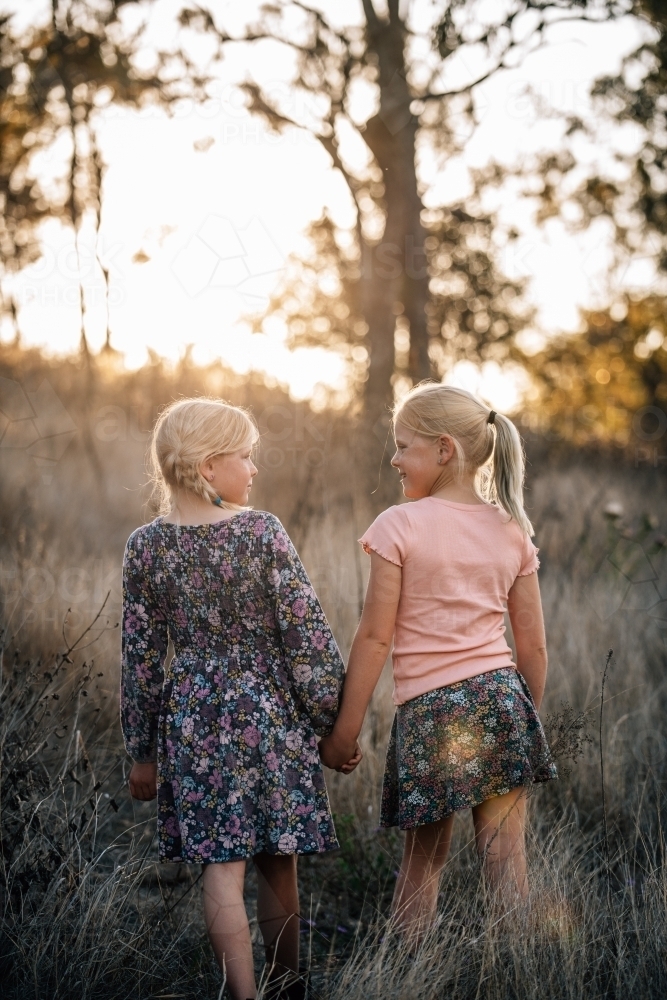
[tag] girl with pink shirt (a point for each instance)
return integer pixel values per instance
(444, 569)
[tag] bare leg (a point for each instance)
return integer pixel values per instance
(278, 911)
(227, 925)
(499, 832)
(416, 894)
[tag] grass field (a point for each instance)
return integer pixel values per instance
(86, 911)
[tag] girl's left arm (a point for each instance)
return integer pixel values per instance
(525, 611)
(368, 656)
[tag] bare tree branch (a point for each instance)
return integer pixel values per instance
(260, 106)
(319, 17)
(509, 48)
(331, 146)
(372, 19)
(189, 17)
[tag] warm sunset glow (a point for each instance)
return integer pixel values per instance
(202, 209)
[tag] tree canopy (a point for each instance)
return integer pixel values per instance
(407, 290)
(415, 289)
(591, 385)
(53, 79)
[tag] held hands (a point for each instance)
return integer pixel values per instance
(143, 781)
(338, 754)
(349, 766)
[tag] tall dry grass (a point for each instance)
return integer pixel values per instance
(87, 912)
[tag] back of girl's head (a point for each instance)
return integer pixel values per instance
(189, 432)
(491, 450)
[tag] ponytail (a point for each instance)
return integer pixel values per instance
(508, 470)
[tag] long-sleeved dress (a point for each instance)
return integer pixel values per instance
(256, 675)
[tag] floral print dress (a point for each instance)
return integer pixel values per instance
(256, 675)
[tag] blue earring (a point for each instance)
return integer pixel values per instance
(218, 502)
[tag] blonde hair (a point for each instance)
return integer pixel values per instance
(187, 433)
(494, 451)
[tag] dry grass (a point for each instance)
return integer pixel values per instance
(86, 911)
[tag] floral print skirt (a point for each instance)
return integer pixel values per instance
(459, 745)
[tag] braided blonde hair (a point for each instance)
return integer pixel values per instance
(493, 450)
(187, 433)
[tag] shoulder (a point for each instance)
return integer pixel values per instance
(271, 543)
(389, 535)
(523, 547)
(141, 538)
(260, 523)
(398, 516)
(520, 537)
(265, 528)
(140, 555)
(503, 522)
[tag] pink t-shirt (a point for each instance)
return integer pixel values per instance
(459, 562)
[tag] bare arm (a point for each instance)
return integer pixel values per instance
(368, 655)
(525, 610)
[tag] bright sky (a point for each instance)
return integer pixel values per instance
(216, 204)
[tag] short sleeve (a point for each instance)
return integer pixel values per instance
(388, 535)
(529, 561)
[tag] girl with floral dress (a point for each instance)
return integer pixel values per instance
(225, 733)
(444, 569)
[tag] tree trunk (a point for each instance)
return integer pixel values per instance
(394, 276)
(377, 294)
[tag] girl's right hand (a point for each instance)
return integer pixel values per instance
(352, 762)
(143, 781)
(339, 754)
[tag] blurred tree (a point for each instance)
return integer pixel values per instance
(472, 312)
(630, 192)
(53, 80)
(607, 384)
(407, 288)
(630, 188)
